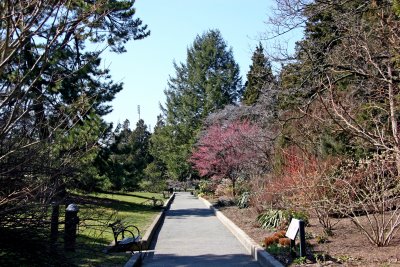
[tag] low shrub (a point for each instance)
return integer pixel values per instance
(206, 187)
(284, 242)
(367, 192)
(224, 188)
(298, 214)
(277, 238)
(321, 239)
(269, 240)
(225, 202)
(243, 200)
(280, 234)
(271, 219)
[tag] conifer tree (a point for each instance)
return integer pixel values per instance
(53, 92)
(206, 82)
(259, 75)
(127, 157)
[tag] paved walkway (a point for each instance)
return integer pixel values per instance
(192, 235)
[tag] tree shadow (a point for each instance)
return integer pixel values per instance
(155, 259)
(194, 212)
(28, 247)
(125, 194)
(110, 203)
(91, 252)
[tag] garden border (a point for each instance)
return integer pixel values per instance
(136, 259)
(255, 250)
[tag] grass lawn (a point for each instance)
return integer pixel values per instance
(31, 247)
(96, 212)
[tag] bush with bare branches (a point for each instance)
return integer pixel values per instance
(368, 193)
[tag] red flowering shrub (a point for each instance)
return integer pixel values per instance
(300, 184)
(225, 151)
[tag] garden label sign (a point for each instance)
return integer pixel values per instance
(297, 226)
(293, 229)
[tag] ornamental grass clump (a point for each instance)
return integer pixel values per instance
(271, 219)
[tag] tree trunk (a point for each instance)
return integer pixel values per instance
(233, 187)
(393, 120)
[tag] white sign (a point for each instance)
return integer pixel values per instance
(293, 229)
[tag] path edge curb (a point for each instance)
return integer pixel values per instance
(255, 250)
(136, 260)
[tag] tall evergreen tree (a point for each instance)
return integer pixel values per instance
(127, 156)
(259, 75)
(140, 139)
(206, 82)
(53, 91)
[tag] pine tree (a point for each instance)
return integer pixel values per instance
(127, 156)
(53, 91)
(259, 75)
(206, 82)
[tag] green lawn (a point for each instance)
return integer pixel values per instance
(31, 247)
(96, 212)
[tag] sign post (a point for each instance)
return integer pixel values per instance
(297, 226)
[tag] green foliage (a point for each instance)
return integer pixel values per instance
(276, 249)
(329, 97)
(300, 260)
(168, 149)
(206, 82)
(321, 239)
(396, 7)
(206, 187)
(320, 257)
(271, 218)
(125, 159)
(155, 180)
(299, 214)
(243, 200)
(54, 91)
(259, 75)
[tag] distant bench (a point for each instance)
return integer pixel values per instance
(126, 238)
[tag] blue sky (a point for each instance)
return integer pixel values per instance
(174, 24)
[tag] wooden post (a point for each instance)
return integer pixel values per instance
(302, 233)
(71, 222)
(55, 212)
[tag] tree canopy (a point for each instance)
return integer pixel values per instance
(206, 82)
(53, 91)
(259, 76)
(226, 151)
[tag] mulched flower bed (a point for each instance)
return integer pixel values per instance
(347, 247)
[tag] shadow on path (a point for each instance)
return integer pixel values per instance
(172, 260)
(182, 213)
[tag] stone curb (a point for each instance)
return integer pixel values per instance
(148, 236)
(136, 258)
(134, 261)
(254, 249)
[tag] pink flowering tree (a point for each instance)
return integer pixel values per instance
(225, 151)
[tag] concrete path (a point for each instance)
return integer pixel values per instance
(192, 235)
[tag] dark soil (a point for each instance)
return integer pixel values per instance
(347, 247)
